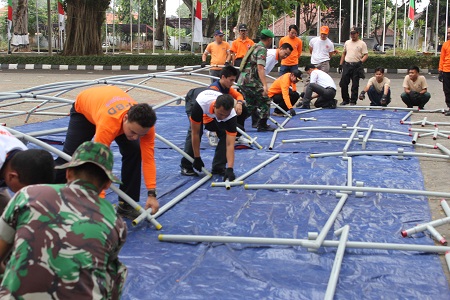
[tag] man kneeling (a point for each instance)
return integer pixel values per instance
(323, 87)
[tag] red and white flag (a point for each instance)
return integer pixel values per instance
(10, 12)
(412, 7)
(198, 34)
(61, 20)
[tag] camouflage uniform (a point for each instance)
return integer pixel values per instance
(250, 84)
(66, 244)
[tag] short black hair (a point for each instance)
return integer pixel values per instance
(228, 71)
(286, 46)
(380, 69)
(225, 101)
(143, 114)
(34, 166)
(92, 173)
(309, 66)
(264, 37)
(414, 68)
(293, 26)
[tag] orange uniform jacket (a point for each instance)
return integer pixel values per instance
(444, 61)
(281, 86)
(297, 44)
(105, 107)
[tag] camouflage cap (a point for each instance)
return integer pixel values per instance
(96, 153)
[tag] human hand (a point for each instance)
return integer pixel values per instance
(152, 203)
(203, 64)
(441, 76)
(292, 112)
(229, 174)
(198, 164)
(383, 100)
(265, 92)
(413, 94)
(227, 64)
(238, 108)
(340, 69)
(362, 95)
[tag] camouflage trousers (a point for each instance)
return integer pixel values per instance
(255, 100)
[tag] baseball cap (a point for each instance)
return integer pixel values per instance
(354, 29)
(218, 32)
(242, 27)
(324, 29)
(267, 33)
(297, 74)
(96, 153)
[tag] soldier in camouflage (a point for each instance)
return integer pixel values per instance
(65, 240)
(252, 81)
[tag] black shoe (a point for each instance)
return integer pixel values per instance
(305, 106)
(352, 103)
(188, 172)
(126, 211)
(447, 113)
(344, 103)
(218, 172)
(265, 127)
(421, 107)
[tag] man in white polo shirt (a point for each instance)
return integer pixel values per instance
(321, 49)
(321, 86)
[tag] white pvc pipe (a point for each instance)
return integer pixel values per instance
(345, 188)
(298, 242)
(436, 235)
(252, 140)
(447, 259)
(356, 139)
(274, 136)
(247, 174)
(384, 153)
(445, 207)
(366, 137)
(415, 137)
(406, 117)
(175, 200)
(334, 276)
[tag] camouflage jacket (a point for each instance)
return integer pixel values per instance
(65, 244)
(249, 75)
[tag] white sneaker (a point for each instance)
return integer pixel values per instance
(212, 138)
(243, 141)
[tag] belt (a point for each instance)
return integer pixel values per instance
(352, 63)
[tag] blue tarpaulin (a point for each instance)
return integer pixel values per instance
(162, 270)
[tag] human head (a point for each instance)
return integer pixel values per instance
(296, 76)
(243, 31)
(223, 106)
(293, 31)
(138, 121)
(379, 74)
(354, 33)
(218, 36)
(266, 37)
(26, 167)
(309, 68)
(324, 30)
(285, 50)
(92, 162)
(228, 76)
(413, 72)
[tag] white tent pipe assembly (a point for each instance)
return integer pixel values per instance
(345, 188)
(382, 153)
(298, 242)
(406, 117)
(436, 235)
(445, 207)
(252, 140)
(366, 137)
(357, 139)
(423, 227)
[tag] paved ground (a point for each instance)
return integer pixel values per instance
(434, 170)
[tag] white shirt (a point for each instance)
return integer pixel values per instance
(321, 49)
(206, 99)
(323, 79)
(8, 142)
(271, 60)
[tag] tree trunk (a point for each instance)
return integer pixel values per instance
(250, 13)
(83, 27)
(20, 22)
(161, 10)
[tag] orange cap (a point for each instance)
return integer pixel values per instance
(324, 29)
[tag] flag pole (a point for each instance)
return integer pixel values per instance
(437, 26)
(424, 46)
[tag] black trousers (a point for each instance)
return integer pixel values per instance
(446, 88)
(278, 99)
(350, 72)
(81, 130)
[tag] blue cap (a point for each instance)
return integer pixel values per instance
(218, 32)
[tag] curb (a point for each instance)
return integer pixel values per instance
(156, 68)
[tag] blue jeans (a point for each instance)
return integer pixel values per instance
(287, 69)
